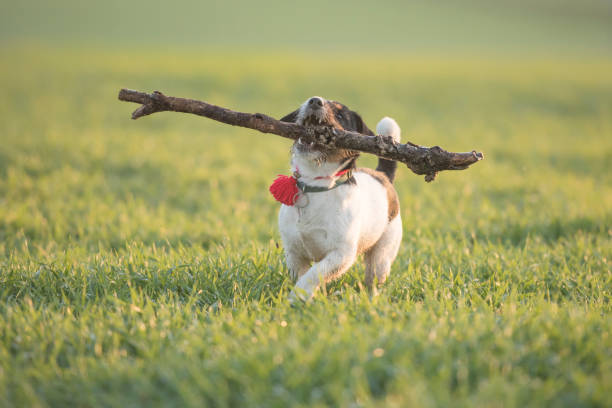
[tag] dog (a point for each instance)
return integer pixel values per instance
(340, 211)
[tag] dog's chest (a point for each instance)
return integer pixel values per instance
(320, 225)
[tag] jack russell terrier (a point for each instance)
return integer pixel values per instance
(332, 211)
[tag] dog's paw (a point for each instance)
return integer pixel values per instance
(298, 296)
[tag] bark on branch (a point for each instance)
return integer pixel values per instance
(419, 159)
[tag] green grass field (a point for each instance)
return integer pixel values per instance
(140, 262)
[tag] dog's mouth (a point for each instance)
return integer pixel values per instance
(314, 116)
(321, 153)
(310, 148)
(316, 112)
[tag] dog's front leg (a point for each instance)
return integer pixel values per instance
(297, 264)
(333, 265)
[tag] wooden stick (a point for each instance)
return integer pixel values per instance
(419, 159)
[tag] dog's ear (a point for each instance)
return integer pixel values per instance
(349, 119)
(291, 117)
(359, 124)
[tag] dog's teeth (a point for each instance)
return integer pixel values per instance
(300, 140)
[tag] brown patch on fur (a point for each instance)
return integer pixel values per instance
(339, 155)
(363, 249)
(392, 200)
(327, 120)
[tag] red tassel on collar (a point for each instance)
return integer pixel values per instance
(285, 189)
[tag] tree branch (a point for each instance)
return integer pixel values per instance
(419, 159)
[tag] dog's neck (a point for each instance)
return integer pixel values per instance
(314, 170)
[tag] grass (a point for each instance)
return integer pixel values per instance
(140, 261)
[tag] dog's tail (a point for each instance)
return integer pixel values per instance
(388, 127)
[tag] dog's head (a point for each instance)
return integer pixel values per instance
(317, 111)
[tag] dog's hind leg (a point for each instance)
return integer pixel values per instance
(379, 258)
(333, 265)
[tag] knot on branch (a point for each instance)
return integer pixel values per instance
(386, 144)
(437, 156)
(157, 102)
(431, 177)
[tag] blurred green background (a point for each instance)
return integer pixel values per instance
(140, 262)
(538, 26)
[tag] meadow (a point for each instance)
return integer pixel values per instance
(140, 261)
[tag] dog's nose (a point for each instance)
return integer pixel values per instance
(315, 102)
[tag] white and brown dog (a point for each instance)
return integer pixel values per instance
(340, 211)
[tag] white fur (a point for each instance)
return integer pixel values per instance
(304, 108)
(388, 127)
(335, 226)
